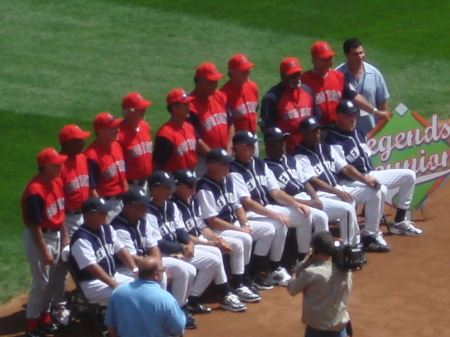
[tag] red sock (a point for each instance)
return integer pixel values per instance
(45, 318)
(32, 323)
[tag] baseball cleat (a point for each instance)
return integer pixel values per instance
(260, 283)
(62, 315)
(246, 295)
(372, 243)
(232, 303)
(405, 227)
(190, 319)
(279, 277)
(35, 333)
(198, 308)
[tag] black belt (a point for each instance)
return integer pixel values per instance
(78, 212)
(113, 197)
(137, 182)
(50, 230)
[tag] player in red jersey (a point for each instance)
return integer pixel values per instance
(242, 94)
(135, 139)
(288, 103)
(176, 141)
(329, 86)
(43, 240)
(209, 114)
(106, 164)
(74, 174)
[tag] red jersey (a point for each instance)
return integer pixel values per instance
(106, 169)
(43, 203)
(328, 92)
(211, 119)
(137, 146)
(243, 104)
(75, 178)
(175, 147)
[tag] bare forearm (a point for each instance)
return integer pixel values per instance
(219, 224)
(99, 273)
(126, 258)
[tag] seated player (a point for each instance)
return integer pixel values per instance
(351, 142)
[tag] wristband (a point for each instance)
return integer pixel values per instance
(374, 111)
(135, 269)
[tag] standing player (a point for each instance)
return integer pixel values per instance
(324, 164)
(263, 199)
(287, 103)
(135, 139)
(367, 80)
(329, 86)
(164, 215)
(209, 115)
(202, 235)
(350, 141)
(293, 180)
(107, 177)
(43, 240)
(242, 94)
(176, 141)
(74, 175)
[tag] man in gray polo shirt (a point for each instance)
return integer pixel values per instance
(325, 290)
(367, 80)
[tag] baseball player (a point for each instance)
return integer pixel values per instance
(329, 86)
(135, 139)
(292, 179)
(93, 249)
(263, 199)
(242, 94)
(164, 215)
(74, 174)
(176, 141)
(209, 115)
(107, 177)
(322, 163)
(201, 234)
(350, 141)
(367, 80)
(287, 103)
(43, 240)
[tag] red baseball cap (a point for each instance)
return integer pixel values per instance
(209, 71)
(135, 100)
(178, 96)
(322, 50)
(239, 62)
(289, 66)
(50, 156)
(70, 132)
(105, 120)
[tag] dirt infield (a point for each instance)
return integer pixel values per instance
(403, 293)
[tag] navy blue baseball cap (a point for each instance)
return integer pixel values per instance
(186, 177)
(309, 124)
(160, 178)
(95, 204)
(218, 155)
(245, 137)
(346, 107)
(274, 133)
(135, 197)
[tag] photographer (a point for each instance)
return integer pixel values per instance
(325, 290)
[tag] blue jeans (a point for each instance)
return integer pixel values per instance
(311, 332)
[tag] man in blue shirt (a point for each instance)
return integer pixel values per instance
(143, 308)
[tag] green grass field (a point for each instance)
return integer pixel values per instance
(63, 62)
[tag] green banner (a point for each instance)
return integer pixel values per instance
(408, 140)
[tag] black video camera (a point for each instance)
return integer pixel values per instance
(348, 257)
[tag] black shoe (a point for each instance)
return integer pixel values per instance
(35, 333)
(51, 328)
(198, 308)
(190, 319)
(261, 283)
(372, 244)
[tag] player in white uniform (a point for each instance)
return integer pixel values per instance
(350, 141)
(292, 179)
(323, 164)
(258, 191)
(223, 212)
(202, 235)
(163, 215)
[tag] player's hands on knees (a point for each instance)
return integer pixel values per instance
(224, 246)
(188, 250)
(344, 196)
(282, 218)
(246, 229)
(372, 182)
(47, 258)
(304, 210)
